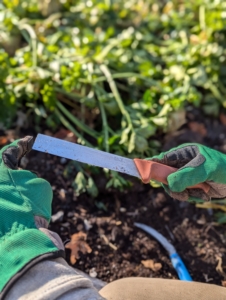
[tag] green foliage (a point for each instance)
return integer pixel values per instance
(128, 64)
(116, 181)
(83, 181)
(82, 184)
(7, 98)
(135, 61)
(220, 217)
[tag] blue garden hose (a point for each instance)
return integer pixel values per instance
(179, 266)
(177, 262)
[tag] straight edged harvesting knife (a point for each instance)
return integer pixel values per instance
(146, 170)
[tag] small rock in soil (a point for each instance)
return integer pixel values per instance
(66, 224)
(62, 194)
(70, 214)
(87, 225)
(122, 209)
(63, 160)
(92, 273)
(58, 216)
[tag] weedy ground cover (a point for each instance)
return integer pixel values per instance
(115, 73)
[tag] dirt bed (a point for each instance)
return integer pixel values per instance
(118, 248)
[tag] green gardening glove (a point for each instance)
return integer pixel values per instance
(196, 164)
(25, 211)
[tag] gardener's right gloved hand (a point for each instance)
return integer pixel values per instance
(25, 211)
(196, 164)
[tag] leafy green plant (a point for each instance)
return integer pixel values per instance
(83, 184)
(112, 72)
(84, 181)
(118, 182)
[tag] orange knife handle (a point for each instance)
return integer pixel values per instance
(151, 170)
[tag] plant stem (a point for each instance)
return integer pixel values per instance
(104, 120)
(67, 101)
(77, 122)
(72, 96)
(214, 89)
(71, 128)
(115, 92)
(111, 131)
(126, 75)
(202, 17)
(33, 41)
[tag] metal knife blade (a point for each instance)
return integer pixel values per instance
(85, 154)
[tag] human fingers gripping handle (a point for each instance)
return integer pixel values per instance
(25, 210)
(150, 170)
(181, 156)
(12, 154)
(196, 163)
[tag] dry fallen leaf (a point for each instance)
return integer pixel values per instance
(150, 264)
(78, 244)
(219, 267)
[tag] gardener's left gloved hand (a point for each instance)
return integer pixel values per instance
(25, 211)
(196, 163)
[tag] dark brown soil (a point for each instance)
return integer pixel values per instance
(117, 246)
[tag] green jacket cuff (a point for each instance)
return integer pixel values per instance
(20, 252)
